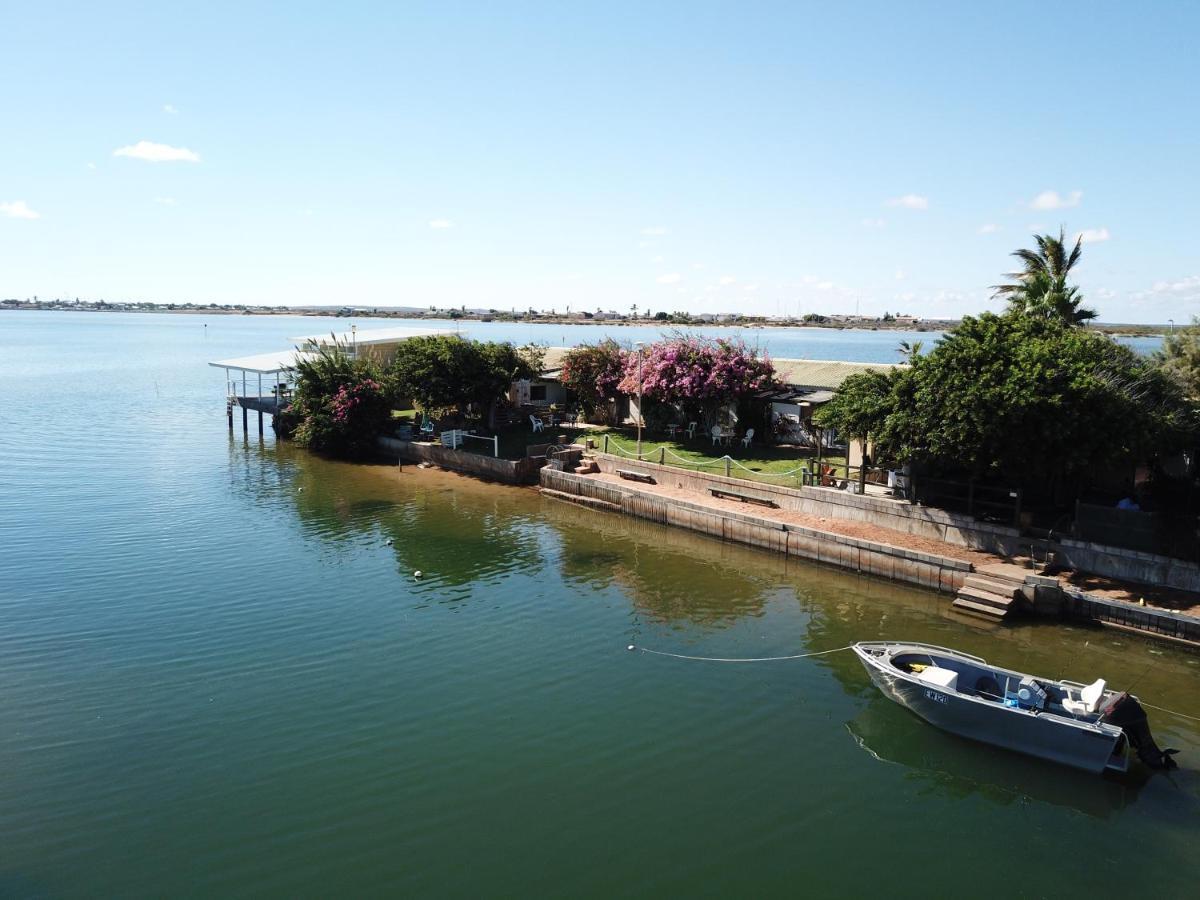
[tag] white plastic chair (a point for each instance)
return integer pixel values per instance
(1089, 699)
(691, 430)
(716, 434)
(536, 423)
(749, 436)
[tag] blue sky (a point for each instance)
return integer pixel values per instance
(699, 156)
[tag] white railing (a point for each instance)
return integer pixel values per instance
(454, 438)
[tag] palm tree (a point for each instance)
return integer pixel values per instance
(1041, 289)
(909, 351)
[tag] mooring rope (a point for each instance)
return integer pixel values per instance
(758, 659)
(1170, 711)
(721, 659)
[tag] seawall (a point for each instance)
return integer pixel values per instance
(508, 471)
(929, 570)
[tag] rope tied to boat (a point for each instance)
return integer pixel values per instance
(1169, 711)
(722, 659)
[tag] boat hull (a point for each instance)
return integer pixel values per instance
(1044, 736)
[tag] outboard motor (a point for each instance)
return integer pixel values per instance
(1127, 714)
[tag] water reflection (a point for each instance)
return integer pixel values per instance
(664, 578)
(955, 767)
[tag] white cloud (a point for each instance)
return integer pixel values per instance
(874, 223)
(825, 286)
(645, 245)
(672, 278)
(1093, 235)
(1177, 287)
(18, 209)
(727, 279)
(657, 259)
(654, 231)
(1053, 200)
(910, 201)
(1037, 226)
(170, 110)
(900, 276)
(440, 224)
(697, 266)
(91, 165)
(165, 201)
(989, 228)
(750, 288)
(151, 152)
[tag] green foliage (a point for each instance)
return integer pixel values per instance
(1180, 357)
(1040, 289)
(592, 372)
(1033, 400)
(444, 373)
(340, 404)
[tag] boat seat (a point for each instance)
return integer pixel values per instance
(1089, 699)
(944, 678)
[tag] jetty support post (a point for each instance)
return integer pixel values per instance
(606, 443)
(728, 465)
(496, 446)
(662, 455)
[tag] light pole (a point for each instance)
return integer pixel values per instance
(354, 340)
(639, 346)
(1171, 322)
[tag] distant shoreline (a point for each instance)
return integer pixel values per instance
(861, 323)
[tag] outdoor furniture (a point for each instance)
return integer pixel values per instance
(672, 430)
(427, 427)
(717, 435)
(691, 430)
(743, 498)
(536, 423)
(748, 437)
(629, 475)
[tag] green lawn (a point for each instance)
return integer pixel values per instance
(777, 465)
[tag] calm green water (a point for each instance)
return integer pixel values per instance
(217, 678)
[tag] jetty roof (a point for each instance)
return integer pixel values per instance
(368, 336)
(264, 363)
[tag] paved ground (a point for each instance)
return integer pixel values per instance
(1161, 598)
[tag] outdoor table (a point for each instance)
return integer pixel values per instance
(672, 430)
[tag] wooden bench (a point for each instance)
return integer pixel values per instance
(629, 475)
(744, 498)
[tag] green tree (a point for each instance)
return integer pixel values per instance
(340, 404)
(1031, 400)
(1040, 289)
(447, 373)
(1180, 357)
(592, 372)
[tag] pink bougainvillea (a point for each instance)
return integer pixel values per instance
(693, 369)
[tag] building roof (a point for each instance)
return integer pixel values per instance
(264, 363)
(823, 374)
(368, 336)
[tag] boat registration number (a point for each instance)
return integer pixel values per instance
(936, 697)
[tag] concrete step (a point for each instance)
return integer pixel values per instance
(978, 609)
(990, 585)
(974, 595)
(1006, 573)
(588, 468)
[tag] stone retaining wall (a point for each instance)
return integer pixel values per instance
(923, 521)
(896, 515)
(912, 566)
(509, 471)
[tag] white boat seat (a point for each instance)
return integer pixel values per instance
(943, 678)
(1089, 699)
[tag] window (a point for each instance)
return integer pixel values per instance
(537, 393)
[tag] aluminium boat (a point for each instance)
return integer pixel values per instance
(1088, 727)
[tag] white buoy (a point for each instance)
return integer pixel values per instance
(417, 574)
(300, 490)
(631, 647)
(389, 543)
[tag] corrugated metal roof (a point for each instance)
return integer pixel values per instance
(826, 374)
(279, 361)
(369, 336)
